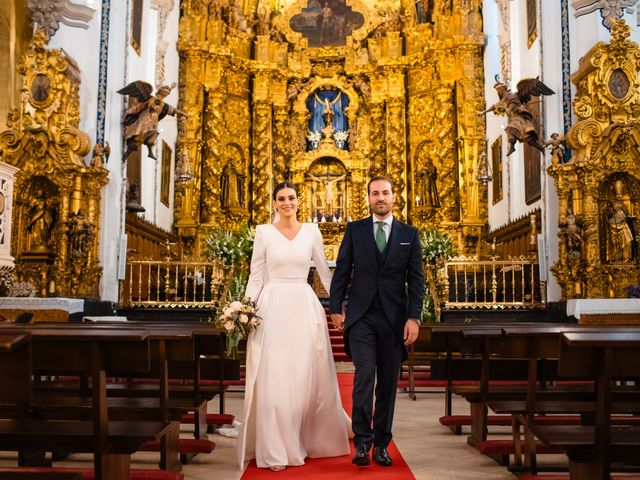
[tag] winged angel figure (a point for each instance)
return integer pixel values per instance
(141, 120)
(520, 126)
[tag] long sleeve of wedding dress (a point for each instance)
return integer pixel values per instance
(258, 260)
(319, 258)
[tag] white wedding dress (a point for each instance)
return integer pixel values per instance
(292, 407)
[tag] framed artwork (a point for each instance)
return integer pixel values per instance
(136, 24)
(165, 175)
(532, 22)
(496, 168)
(326, 22)
(532, 181)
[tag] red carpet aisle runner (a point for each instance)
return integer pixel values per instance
(338, 468)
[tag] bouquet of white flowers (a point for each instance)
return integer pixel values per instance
(238, 319)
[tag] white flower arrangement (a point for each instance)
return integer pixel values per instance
(238, 319)
(341, 137)
(435, 245)
(314, 138)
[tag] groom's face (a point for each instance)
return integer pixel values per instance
(381, 197)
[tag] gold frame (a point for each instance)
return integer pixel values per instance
(136, 28)
(165, 174)
(496, 167)
(532, 21)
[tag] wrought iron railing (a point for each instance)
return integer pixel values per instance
(473, 283)
(174, 284)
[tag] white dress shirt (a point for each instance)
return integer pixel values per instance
(386, 226)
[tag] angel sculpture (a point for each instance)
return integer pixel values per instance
(520, 126)
(141, 120)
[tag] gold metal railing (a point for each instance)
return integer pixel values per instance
(174, 284)
(493, 283)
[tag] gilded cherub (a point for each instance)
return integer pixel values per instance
(520, 126)
(141, 120)
(557, 148)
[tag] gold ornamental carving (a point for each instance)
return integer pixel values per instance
(56, 218)
(411, 82)
(599, 187)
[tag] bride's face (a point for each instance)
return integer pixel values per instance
(286, 202)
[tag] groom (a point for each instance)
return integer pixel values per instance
(380, 267)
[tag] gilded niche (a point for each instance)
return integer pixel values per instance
(56, 213)
(329, 94)
(598, 188)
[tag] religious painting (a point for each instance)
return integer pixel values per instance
(165, 174)
(496, 168)
(326, 23)
(136, 24)
(424, 11)
(532, 181)
(532, 22)
(619, 84)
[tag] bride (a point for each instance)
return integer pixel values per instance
(292, 407)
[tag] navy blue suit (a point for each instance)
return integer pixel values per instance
(384, 290)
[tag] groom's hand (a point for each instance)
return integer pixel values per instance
(411, 330)
(338, 320)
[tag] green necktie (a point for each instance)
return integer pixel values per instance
(381, 238)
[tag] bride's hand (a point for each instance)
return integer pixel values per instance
(338, 320)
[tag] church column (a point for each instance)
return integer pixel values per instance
(377, 150)
(261, 169)
(396, 158)
(187, 198)
(280, 143)
(213, 157)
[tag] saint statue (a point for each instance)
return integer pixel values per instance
(231, 187)
(428, 187)
(141, 120)
(620, 236)
(39, 222)
(520, 122)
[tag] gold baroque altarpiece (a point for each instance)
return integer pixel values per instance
(56, 215)
(413, 82)
(599, 188)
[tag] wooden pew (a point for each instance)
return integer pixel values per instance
(605, 357)
(541, 344)
(81, 351)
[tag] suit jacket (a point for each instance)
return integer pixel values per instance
(397, 276)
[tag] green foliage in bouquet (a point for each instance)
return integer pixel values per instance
(435, 245)
(232, 248)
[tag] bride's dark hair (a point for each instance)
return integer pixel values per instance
(282, 186)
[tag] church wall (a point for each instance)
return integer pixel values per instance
(84, 47)
(124, 66)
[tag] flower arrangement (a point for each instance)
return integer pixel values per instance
(341, 137)
(314, 138)
(232, 248)
(6, 282)
(435, 245)
(22, 289)
(238, 319)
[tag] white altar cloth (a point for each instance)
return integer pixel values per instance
(588, 306)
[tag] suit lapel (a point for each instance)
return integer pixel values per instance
(368, 243)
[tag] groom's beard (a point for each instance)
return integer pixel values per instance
(381, 209)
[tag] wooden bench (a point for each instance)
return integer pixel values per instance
(605, 357)
(81, 350)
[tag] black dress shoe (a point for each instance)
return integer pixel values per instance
(381, 456)
(361, 458)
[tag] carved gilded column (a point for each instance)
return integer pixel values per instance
(280, 143)
(261, 169)
(377, 151)
(396, 160)
(214, 128)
